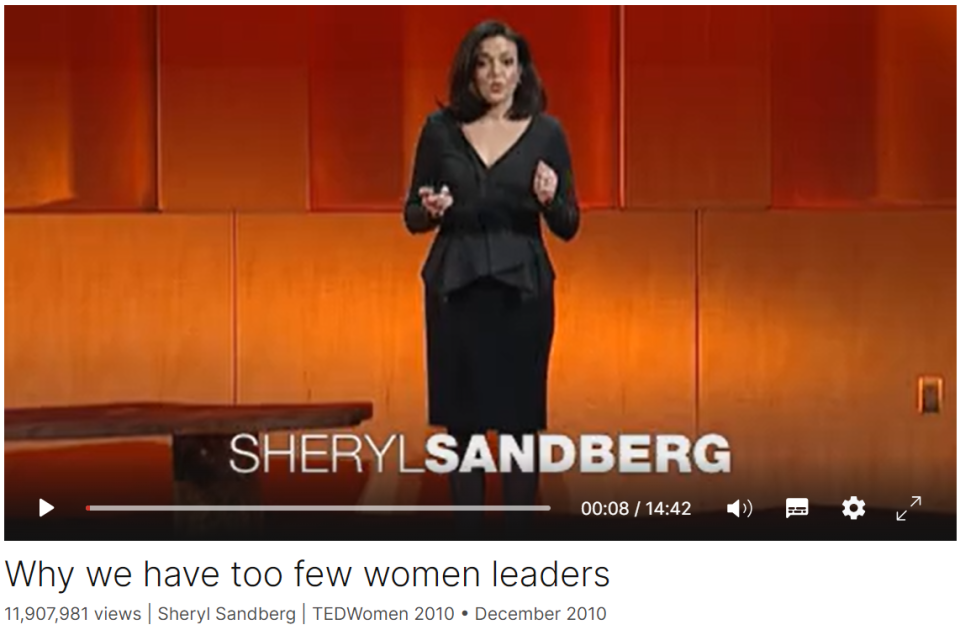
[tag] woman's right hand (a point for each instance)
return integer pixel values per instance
(435, 203)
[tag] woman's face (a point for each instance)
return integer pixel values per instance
(498, 70)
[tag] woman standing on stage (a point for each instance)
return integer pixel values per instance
(488, 166)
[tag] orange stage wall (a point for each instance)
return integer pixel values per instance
(315, 108)
(195, 208)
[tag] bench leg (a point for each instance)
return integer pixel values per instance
(203, 476)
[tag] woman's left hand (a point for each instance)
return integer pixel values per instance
(544, 183)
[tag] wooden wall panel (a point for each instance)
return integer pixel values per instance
(329, 308)
(80, 108)
(623, 358)
(823, 100)
(697, 106)
(103, 308)
(814, 331)
(357, 72)
(36, 143)
(234, 108)
(917, 105)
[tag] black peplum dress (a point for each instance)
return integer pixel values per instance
(488, 279)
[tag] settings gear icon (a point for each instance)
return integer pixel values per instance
(857, 508)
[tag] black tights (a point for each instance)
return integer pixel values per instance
(519, 488)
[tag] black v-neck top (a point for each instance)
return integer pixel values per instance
(493, 227)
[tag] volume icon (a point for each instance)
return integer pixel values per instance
(736, 509)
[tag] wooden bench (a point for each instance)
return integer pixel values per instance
(200, 436)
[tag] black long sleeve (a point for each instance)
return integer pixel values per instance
(425, 173)
(562, 214)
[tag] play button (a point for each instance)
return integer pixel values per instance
(44, 507)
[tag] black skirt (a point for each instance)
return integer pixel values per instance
(488, 351)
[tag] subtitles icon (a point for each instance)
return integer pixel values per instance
(798, 507)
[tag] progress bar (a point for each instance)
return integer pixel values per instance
(318, 508)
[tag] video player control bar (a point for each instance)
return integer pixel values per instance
(318, 508)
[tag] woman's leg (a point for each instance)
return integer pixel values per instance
(520, 488)
(467, 488)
